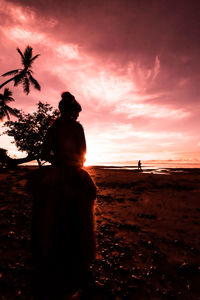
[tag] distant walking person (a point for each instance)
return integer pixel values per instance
(139, 165)
(63, 236)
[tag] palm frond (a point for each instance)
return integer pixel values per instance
(6, 114)
(34, 82)
(6, 111)
(28, 53)
(34, 57)
(1, 116)
(7, 95)
(26, 85)
(21, 54)
(19, 78)
(10, 99)
(13, 111)
(13, 72)
(7, 92)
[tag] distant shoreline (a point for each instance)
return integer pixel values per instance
(164, 170)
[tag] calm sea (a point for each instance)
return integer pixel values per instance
(157, 167)
(164, 167)
(153, 164)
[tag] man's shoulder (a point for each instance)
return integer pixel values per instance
(69, 123)
(77, 124)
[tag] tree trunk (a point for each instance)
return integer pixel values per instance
(13, 162)
(39, 162)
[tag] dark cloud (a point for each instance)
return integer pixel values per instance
(124, 31)
(130, 31)
(142, 28)
(134, 31)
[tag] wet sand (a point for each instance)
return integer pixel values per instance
(148, 233)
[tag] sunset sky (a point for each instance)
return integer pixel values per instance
(134, 66)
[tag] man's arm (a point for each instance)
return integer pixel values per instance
(47, 146)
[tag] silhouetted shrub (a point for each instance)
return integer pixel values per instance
(4, 158)
(30, 129)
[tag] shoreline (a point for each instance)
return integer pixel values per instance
(132, 169)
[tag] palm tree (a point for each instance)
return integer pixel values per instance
(24, 75)
(5, 110)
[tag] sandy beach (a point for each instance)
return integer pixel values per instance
(148, 234)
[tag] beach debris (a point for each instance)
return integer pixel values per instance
(119, 200)
(146, 243)
(166, 293)
(140, 189)
(178, 242)
(188, 269)
(133, 199)
(148, 216)
(158, 257)
(123, 270)
(127, 226)
(136, 278)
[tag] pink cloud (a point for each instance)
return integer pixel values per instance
(152, 111)
(136, 94)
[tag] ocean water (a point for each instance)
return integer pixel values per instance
(172, 165)
(155, 165)
(161, 167)
(164, 167)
